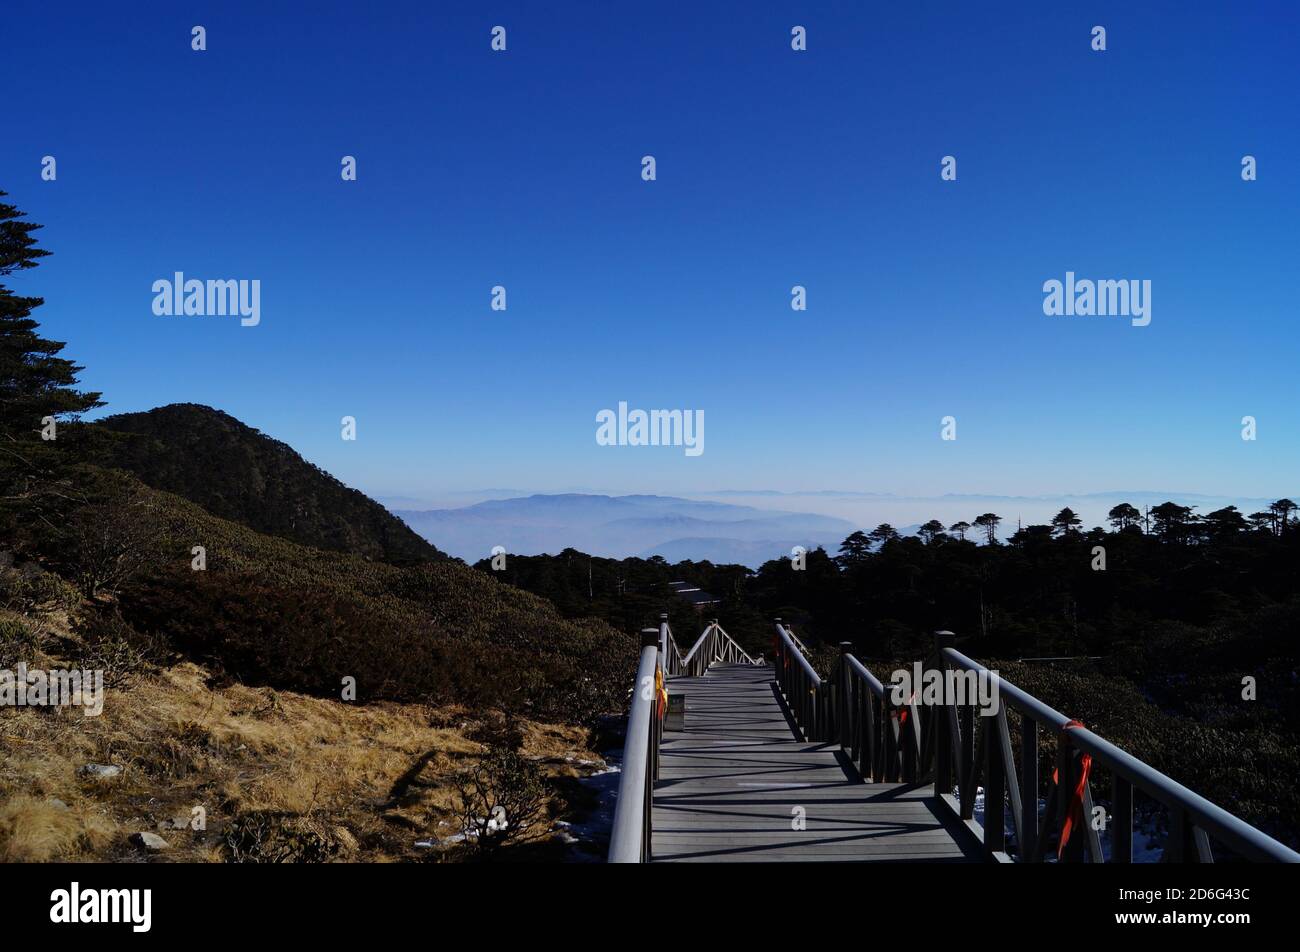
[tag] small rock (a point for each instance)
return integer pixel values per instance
(100, 771)
(150, 841)
(180, 821)
(57, 803)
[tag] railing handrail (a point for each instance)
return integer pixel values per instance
(628, 839)
(708, 630)
(1230, 830)
(863, 672)
(799, 656)
(891, 740)
(795, 638)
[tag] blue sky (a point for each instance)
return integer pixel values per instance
(775, 168)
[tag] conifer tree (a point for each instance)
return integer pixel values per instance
(36, 386)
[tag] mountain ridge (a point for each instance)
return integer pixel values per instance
(236, 472)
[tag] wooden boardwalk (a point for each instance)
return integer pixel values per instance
(731, 784)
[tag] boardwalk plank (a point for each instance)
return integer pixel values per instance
(730, 781)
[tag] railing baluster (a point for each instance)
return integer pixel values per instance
(1204, 853)
(943, 722)
(1121, 821)
(1091, 838)
(994, 787)
(1067, 772)
(1009, 772)
(1028, 835)
(1176, 844)
(972, 751)
(957, 745)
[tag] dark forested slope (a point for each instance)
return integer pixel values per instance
(236, 472)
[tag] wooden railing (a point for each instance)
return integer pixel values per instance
(805, 692)
(714, 646)
(661, 659)
(963, 748)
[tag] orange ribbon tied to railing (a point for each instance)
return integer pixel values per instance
(901, 713)
(661, 692)
(1074, 813)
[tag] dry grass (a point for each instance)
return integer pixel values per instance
(371, 780)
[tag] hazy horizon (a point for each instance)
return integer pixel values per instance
(532, 523)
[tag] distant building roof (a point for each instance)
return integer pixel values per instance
(693, 594)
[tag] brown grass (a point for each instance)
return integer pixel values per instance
(375, 777)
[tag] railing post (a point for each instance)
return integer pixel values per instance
(995, 786)
(942, 730)
(843, 713)
(1029, 789)
(778, 659)
(1067, 767)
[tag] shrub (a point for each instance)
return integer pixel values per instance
(107, 542)
(275, 836)
(111, 645)
(502, 801)
(20, 640)
(29, 589)
(500, 731)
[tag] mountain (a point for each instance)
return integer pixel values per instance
(728, 551)
(235, 472)
(622, 526)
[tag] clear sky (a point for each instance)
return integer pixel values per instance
(775, 168)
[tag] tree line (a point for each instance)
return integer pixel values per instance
(1168, 521)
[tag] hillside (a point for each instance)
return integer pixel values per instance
(266, 611)
(236, 472)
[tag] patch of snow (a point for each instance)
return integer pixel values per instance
(590, 835)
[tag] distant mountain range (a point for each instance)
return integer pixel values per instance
(623, 526)
(703, 526)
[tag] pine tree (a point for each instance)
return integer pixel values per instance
(36, 386)
(1065, 522)
(856, 548)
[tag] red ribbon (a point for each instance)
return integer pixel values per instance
(901, 713)
(1074, 814)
